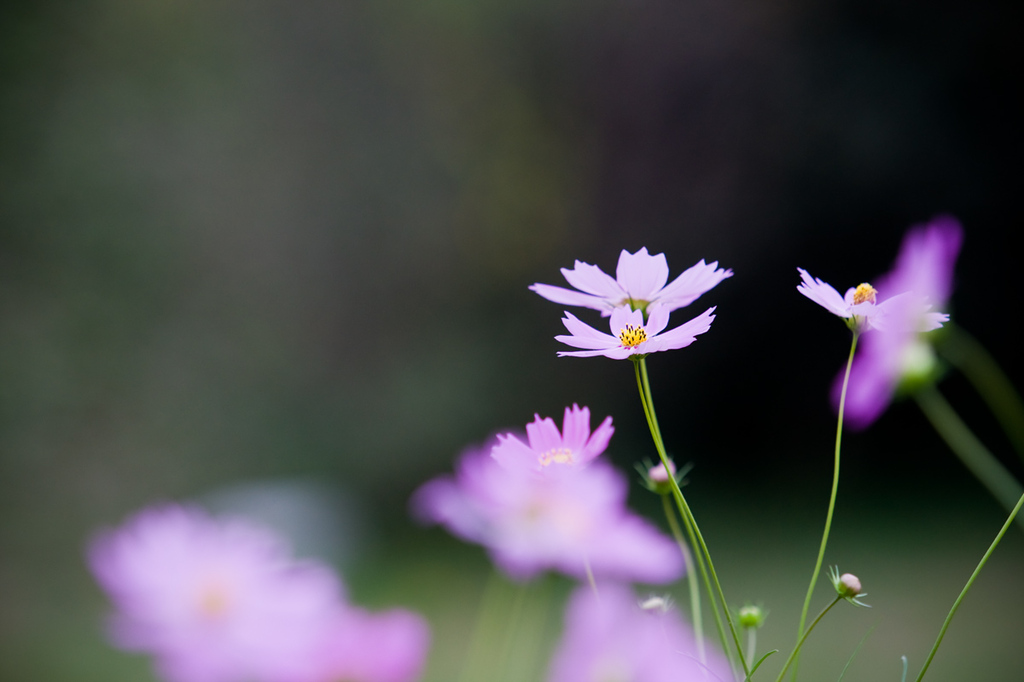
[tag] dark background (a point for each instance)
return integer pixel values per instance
(285, 246)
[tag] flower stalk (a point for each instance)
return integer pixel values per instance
(691, 578)
(831, 504)
(970, 582)
(992, 384)
(974, 455)
(796, 650)
(696, 538)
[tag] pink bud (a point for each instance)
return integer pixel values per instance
(657, 474)
(849, 585)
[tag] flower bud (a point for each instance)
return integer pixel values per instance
(849, 585)
(658, 479)
(751, 616)
(658, 475)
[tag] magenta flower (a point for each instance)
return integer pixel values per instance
(630, 336)
(609, 637)
(365, 647)
(212, 601)
(574, 446)
(900, 350)
(560, 518)
(639, 282)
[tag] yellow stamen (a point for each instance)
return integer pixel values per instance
(864, 293)
(631, 337)
(556, 456)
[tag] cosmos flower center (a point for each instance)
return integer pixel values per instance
(556, 456)
(864, 293)
(631, 336)
(214, 601)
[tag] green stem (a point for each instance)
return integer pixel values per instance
(831, 502)
(988, 379)
(803, 637)
(512, 627)
(484, 627)
(691, 577)
(751, 645)
(688, 519)
(975, 456)
(970, 581)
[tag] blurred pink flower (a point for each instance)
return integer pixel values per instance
(574, 446)
(609, 637)
(899, 350)
(372, 647)
(560, 518)
(639, 282)
(630, 336)
(213, 601)
(223, 600)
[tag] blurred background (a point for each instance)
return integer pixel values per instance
(273, 256)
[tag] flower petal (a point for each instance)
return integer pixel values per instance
(683, 335)
(694, 281)
(510, 452)
(585, 336)
(598, 441)
(657, 320)
(543, 434)
(823, 294)
(570, 297)
(622, 316)
(641, 276)
(592, 280)
(575, 428)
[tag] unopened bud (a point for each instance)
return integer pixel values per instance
(658, 475)
(751, 616)
(849, 585)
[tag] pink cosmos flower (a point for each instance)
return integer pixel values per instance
(858, 306)
(630, 336)
(212, 601)
(900, 350)
(560, 518)
(224, 601)
(574, 446)
(609, 637)
(639, 282)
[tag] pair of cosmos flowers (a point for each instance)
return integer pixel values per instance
(899, 309)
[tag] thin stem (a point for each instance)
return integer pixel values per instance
(512, 627)
(975, 456)
(660, 447)
(831, 500)
(691, 578)
(803, 637)
(988, 379)
(970, 581)
(483, 629)
(687, 514)
(751, 645)
(650, 402)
